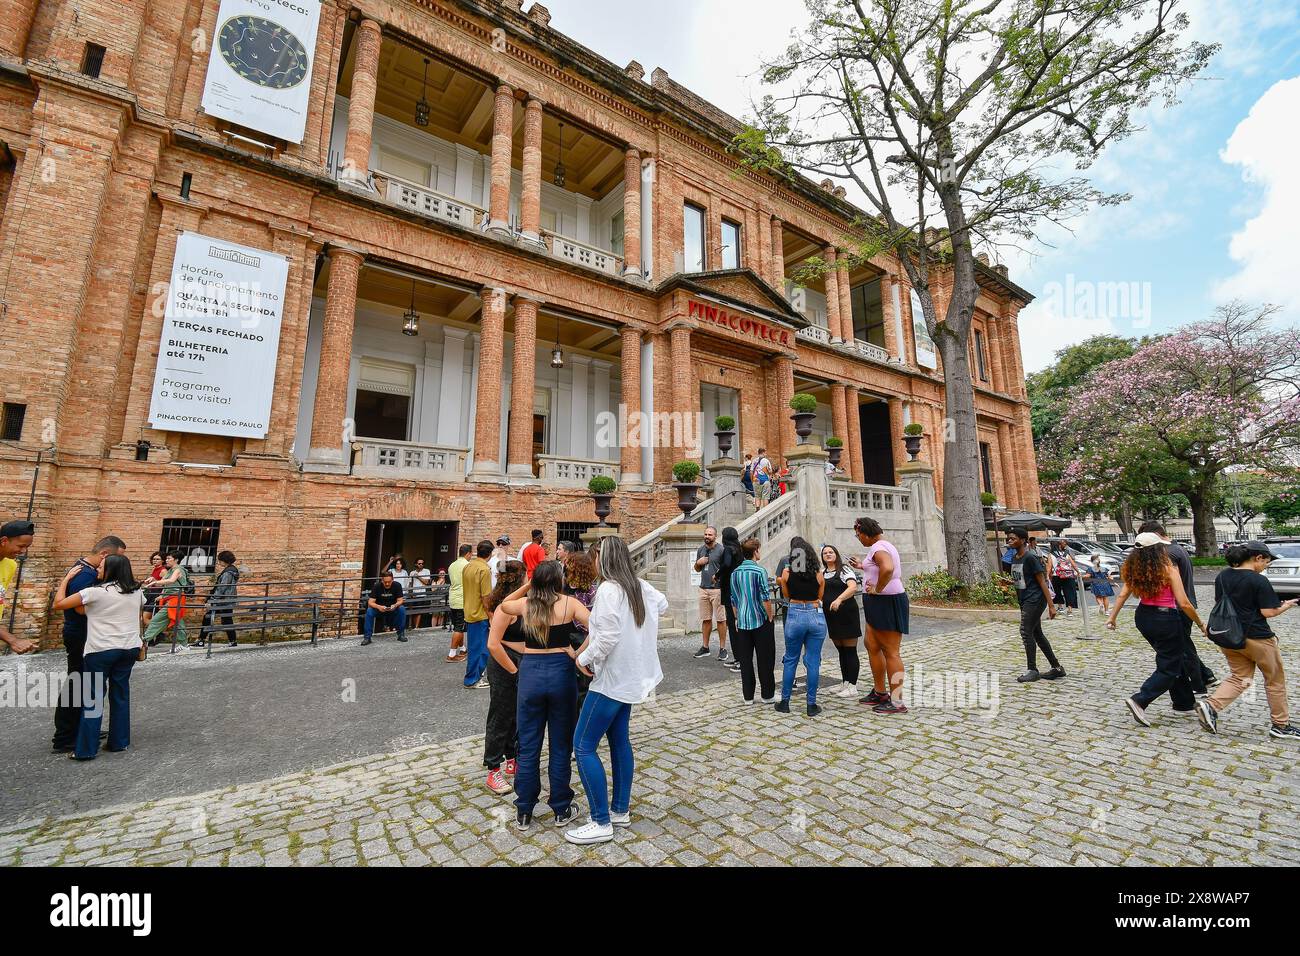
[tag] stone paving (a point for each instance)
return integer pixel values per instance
(1042, 774)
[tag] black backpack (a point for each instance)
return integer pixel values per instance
(1223, 625)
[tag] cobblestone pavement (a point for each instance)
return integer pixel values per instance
(1051, 773)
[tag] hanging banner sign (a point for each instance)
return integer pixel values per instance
(220, 339)
(259, 68)
(926, 353)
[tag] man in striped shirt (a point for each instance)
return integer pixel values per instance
(751, 596)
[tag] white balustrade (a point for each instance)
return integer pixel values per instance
(814, 333)
(379, 458)
(867, 350)
(852, 500)
(579, 253)
(429, 202)
(574, 472)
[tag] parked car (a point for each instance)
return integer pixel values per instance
(1284, 573)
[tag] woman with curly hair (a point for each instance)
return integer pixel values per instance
(1149, 574)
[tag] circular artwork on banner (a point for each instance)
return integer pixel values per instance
(263, 52)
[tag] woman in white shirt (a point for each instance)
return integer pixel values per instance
(113, 610)
(622, 648)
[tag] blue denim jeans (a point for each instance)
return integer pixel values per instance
(114, 669)
(476, 652)
(548, 695)
(394, 618)
(805, 631)
(604, 717)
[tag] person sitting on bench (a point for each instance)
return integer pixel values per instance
(387, 603)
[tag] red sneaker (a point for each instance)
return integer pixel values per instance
(510, 767)
(497, 783)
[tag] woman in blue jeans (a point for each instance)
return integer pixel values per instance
(113, 609)
(805, 623)
(622, 650)
(547, 694)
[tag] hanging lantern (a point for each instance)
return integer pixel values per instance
(557, 353)
(559, 161)
(422, 107)
(412, 324)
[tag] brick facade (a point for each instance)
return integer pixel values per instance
(105, 172)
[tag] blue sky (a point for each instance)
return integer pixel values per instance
(1215, 180)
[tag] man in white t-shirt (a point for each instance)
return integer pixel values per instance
(763, 478)
(500, 555)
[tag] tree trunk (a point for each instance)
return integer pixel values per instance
(1125, 519)
(1203, 535)
(963, 515)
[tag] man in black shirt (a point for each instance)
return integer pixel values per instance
(1200, 676)
(1029, 574)
(386, 601)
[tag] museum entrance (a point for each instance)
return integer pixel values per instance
(435, 541)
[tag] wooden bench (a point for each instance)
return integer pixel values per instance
(263, 612)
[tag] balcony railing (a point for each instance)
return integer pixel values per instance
(867, 350)
(814, 333)
(428, 202)
(573, 472)
(570, 250)
(380, 458)
(849, 499)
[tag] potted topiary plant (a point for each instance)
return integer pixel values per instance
(726, 426)
(686, 475)
(805, 411)
(602, 491)
(912, 439)
(835, 449)
(989, 500)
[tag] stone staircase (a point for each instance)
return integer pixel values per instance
(669, 626)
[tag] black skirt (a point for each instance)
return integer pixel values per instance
(888, 612)
(846, 622)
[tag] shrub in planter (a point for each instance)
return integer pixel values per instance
(835, 448)
(726, 432)
(988, 499)
(687, 473)
(803, 403)
(834, 442)
(602, 485)
(724, 423)
(912, 439)
(805, 410)
(915, 428)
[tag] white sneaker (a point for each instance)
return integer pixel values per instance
(621, 819)
(590, 832)
(746, 702)
(847, 690)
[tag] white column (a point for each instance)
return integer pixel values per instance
(647, 230)
(465, 158)
(647, 401)
(580, 428)
(424, 414)
(897, 298)
(453, 388)
(601, 403)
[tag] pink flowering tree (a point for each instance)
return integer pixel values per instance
(1175, 416)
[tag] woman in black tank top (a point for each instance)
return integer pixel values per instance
(547, 691)
(805, 623)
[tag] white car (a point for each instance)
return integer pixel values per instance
(1284, 573)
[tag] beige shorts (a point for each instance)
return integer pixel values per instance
(711, 605)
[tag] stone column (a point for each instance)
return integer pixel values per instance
(854, 439)
(839, 414)
(487, 412)
(918, 478)
(530, 202)
(361, 105)
(680, 543)
(632, 438)
(892, 344)
(503, 122)
(778, 256)
(1007, 458)
(733, 504)
(330, 409)
(632, 214)
(16, 27)
(833, 296)
(783, 372)
(846, 303)
(519, 448)
(808, 466)
(684, 427)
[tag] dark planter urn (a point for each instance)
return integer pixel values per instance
(803, 425)
(724, 443)
(688, 494)
(602, 508)
(913, 445)
(990, 518)
(834, 452)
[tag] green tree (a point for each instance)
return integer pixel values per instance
(951, 117)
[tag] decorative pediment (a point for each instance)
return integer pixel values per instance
(742, 288)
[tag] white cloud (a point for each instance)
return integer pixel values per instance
(1265, 145)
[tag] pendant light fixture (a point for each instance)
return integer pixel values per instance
(412, 324)
(557, 353)
(422, 107)
(559, 161)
